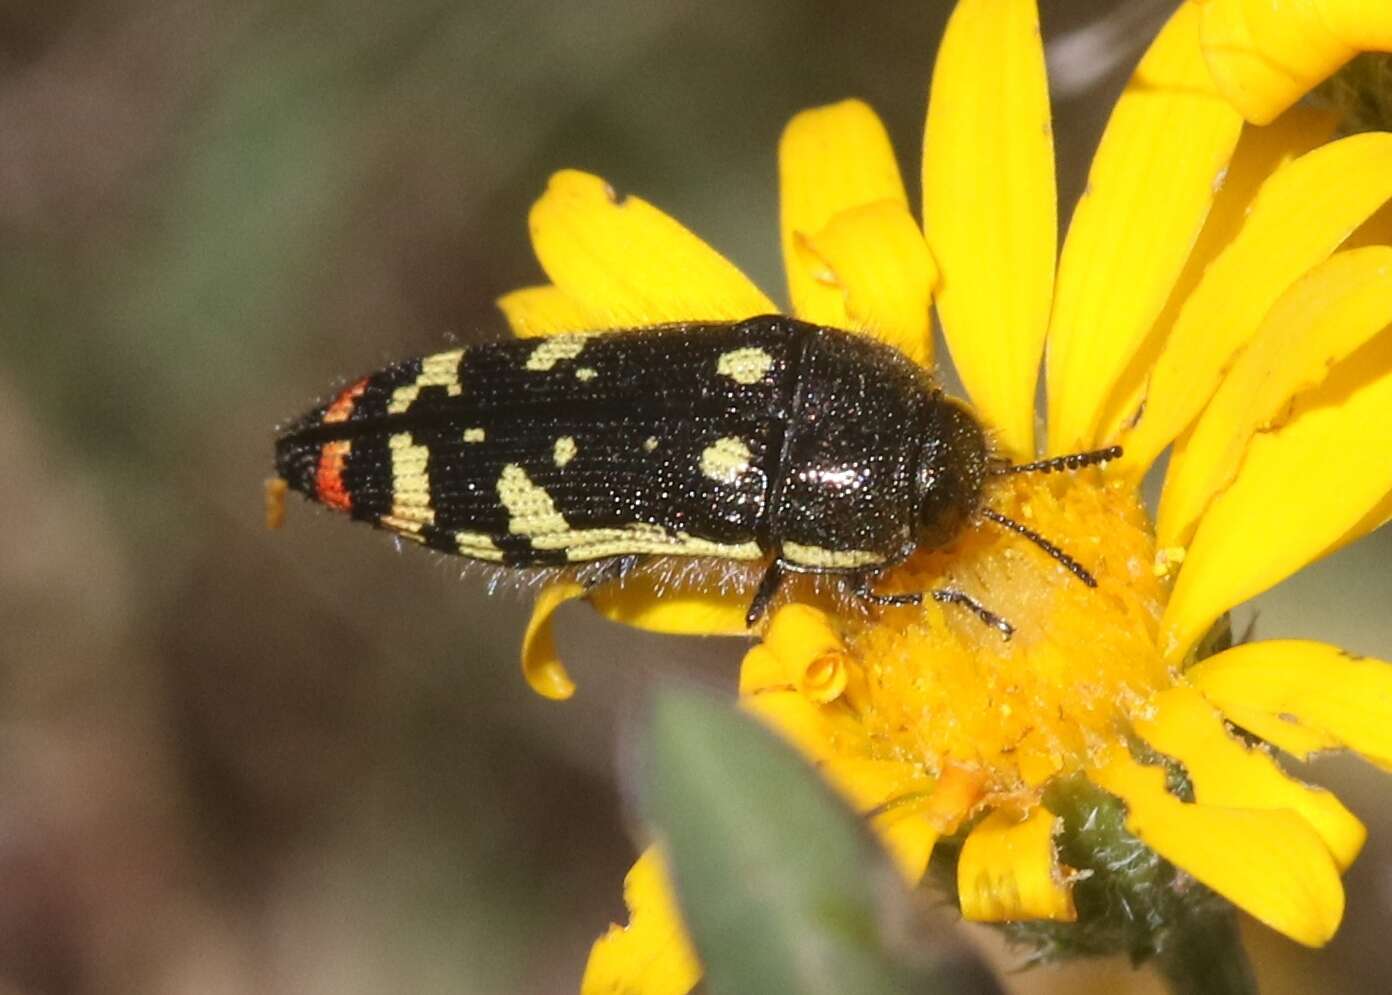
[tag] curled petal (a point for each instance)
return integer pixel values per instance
(1009, 870)
(990, 206)
(677, 608)
(627, 264)
(544, 310)
(762, 670)
(876, 255)
(1271, 864)
(1148, 193)
(1303, 696)
(1267, 54)
(1227, 774)
(541, 664)
(802, 652)
(830, 159)
(1326, 315)
(1247, 541)
(651, 955)
(799, 636)
(1302, 214)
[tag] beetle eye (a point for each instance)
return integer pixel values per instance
(952, 467)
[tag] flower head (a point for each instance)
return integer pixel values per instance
(1225, 289)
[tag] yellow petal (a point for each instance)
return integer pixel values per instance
(762, 670)
(989, 206)
(1300, 490)
(1153, 179)
(876, 256)
(541, 665)
(1298, 219)
(1270, 864)
(1227, 774)
(625, 263)
(1267, 54)
(801, 722)
(911, 825)
(1009, 870)
(798, 635)
(1259, 153)
(1334, 698)
(1375, 519)
(830, 159)
(1333, 310)
(651, 955)
(543, 310)
(675, 607)
(800, 652)
(870, 783)
(910, 841)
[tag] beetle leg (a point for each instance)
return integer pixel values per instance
(947, 596)
(860, 585)
(768, 587)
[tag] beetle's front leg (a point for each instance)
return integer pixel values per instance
(860, 586)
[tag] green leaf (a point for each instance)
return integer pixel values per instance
(781, 886)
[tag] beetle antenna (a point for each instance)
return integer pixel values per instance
(1073, 461)
(1072, 565)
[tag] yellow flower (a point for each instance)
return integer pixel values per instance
(1225, 288)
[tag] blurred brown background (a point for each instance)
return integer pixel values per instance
(234, 761)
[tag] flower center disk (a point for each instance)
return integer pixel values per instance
(940, 689)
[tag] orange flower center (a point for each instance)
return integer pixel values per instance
(941, 690)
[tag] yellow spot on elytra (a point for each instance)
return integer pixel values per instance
(477, 545)
(564, 451)
(553, 349)
(746, 366)
(531, 512)
(585, 374)
(440, 370)
(725, 460)
(474, 435)
(818, 556)
(410, 485)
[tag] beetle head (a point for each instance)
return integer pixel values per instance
(953, 463)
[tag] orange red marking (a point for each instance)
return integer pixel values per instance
(328, 478)
(343, 404)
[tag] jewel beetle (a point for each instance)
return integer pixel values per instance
(808, 448)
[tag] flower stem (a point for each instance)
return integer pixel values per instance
(1204, 956)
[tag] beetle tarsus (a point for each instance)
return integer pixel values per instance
(948, 596)
(768, 587)
(860, 586)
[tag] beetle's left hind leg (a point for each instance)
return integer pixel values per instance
(860, 586)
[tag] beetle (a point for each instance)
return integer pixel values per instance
(770, 439)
